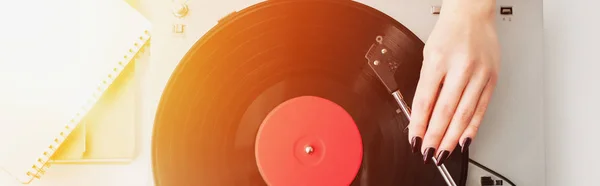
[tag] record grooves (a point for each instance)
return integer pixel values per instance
(233, 77)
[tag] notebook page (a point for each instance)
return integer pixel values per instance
(54, 64)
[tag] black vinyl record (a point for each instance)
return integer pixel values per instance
(259, 57)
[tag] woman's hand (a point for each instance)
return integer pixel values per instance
(459, 73)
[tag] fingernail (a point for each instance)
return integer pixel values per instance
(442, 157)
(415, 144)
(465, 145)
(428, 154)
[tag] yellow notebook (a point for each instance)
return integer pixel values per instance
(108, 133)
(58, 58)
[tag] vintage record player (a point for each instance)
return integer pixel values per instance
(224, 116)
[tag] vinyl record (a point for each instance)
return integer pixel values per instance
(241, 104)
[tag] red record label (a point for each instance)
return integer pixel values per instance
(308, 141)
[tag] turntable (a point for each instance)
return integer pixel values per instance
(240, 106)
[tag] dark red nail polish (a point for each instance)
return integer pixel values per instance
(416, 144)
(465, 145)
(442, 157)
(428, 154)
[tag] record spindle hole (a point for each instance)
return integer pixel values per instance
(309, 149)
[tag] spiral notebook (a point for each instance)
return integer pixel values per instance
(109, 131)
(55, 64)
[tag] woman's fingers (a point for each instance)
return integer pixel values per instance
(454, 84)
(469, 133)
(423, 101)
(462, 116)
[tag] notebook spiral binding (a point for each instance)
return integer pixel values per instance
(42, 163)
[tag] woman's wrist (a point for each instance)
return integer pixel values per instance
(482, 10)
